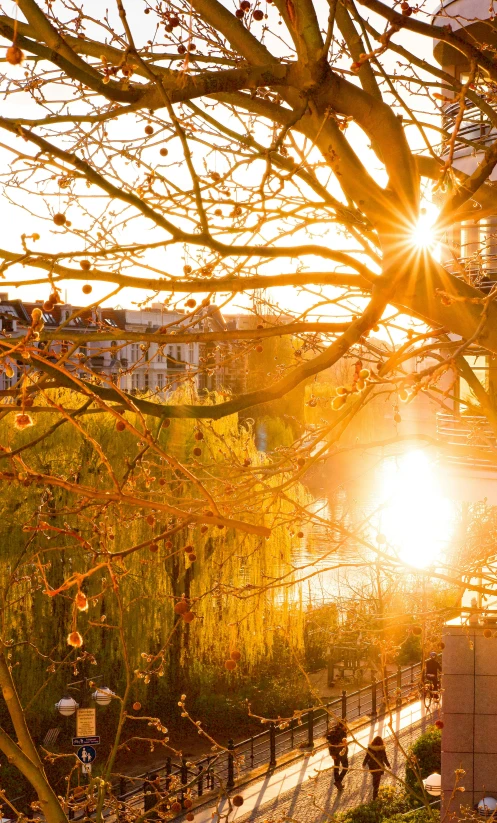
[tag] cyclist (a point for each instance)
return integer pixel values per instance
(431, 672)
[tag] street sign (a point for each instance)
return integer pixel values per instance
(86, 768)
(86, 723)
(85, 741)
(86, 754)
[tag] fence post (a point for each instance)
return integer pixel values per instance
(210, 776)
(272, 746)
(200, 783)
(168, 773)
(122, 786)
(331, 671)
(184, 776)
(344, 704)
(399, 687)
(231, 765)
(373, 696)
(310, 728)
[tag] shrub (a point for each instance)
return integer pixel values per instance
(417, 816)
(427, 750)
(410, 651)
(390, 803)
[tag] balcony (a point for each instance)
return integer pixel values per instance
(97, 362)
(466, 440)
(474, 128)
(480, 269)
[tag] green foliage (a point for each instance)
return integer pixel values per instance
(421, 815)
(392, 805)
(148, 584)
(390, 802)
(427, 750)
(410, 650)
(320, 622)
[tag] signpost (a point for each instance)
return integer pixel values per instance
(86, 754)
(86, 723)
(86, 741)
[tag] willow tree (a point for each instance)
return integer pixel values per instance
(207, 148)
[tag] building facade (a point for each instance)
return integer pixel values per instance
(138, 366)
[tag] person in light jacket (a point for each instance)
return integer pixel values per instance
(376, 759)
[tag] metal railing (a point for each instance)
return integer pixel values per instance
(480, 269)
(238, 760)
(467, 432)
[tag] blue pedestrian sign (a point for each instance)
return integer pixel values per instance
(86, 754)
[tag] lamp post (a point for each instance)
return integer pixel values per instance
(67, 706)
(487, 807)
(433, 784)
(103, 695)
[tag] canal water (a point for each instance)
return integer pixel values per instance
(398, 504)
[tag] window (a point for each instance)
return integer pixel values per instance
(191, 352)
(135, 352)
(160, 355)
(480, 365)
(178, 354)
(146, 380)
(161, 380)
(135, 381)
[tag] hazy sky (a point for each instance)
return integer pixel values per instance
(16, 220)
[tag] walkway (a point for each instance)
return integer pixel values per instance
(304, 789)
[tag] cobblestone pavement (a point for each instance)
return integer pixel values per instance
(317, 800)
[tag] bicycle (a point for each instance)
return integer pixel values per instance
(429, 695)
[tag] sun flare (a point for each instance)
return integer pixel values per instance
(417, 519)
(423, 234)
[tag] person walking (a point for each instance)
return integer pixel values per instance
(376, 759)
(338, 749)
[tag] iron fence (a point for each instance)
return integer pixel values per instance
(280, 738)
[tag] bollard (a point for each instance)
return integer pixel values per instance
(231, 765)
(399, 687)
(373, 696)
(122, 786)
(344, 704)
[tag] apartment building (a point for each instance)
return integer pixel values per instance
(136, 366)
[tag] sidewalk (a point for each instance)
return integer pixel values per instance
(305, 787)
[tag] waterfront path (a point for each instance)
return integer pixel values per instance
(303, 790)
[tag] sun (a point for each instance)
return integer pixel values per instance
(423, 234)
(417, 518)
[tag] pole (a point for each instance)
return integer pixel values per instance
(399, 687)
(373, 696)
(231, 765)
(310, 728)
(344, 704)
(272, 746)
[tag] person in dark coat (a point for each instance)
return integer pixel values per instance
(338, 749)
(376, 759)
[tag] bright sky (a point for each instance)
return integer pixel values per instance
(35, 219)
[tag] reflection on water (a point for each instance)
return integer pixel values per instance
(402, 510)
